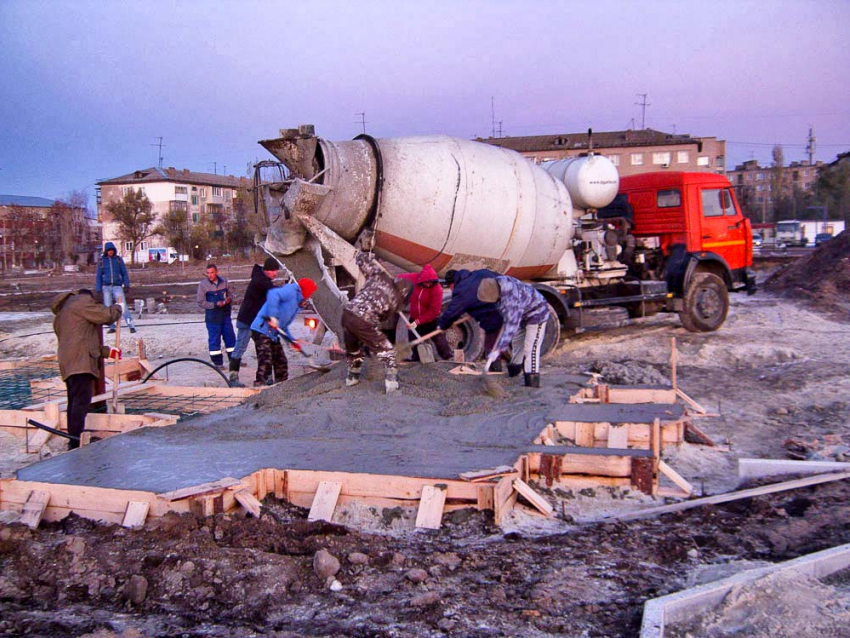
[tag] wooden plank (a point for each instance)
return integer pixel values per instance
(135, 514)
(324, 503)
(655, 446)
(696, 406)
(618, 436)
(641, 395)
(732, 496)
(33, 509)
(700, 436)
(587, 451)
(594, 465)
(430, 513)
(482, 475)
(533, 497)
(584, 434)
(249, 502)
(485, 496)
(378, 485)
(677, 478)
(38, 438)
(200, 490)
(502, 494)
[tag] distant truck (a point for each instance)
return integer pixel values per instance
(599, 249)
(801, 233)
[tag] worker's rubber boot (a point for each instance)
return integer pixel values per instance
(353, 376)
(391, 381)
(496, 366)
(514, 369)
(234, 373)
(532, 379)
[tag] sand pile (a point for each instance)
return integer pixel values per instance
(822, 277)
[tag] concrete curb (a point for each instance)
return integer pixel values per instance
(659, 612)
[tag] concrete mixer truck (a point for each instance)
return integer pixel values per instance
(601, 249)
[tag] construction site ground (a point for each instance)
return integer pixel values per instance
(776, 373)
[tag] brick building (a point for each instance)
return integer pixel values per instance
(206, 199)
(759, 188)
(631, 151)
(37, 232)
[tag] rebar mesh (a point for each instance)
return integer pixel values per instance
(17, 392)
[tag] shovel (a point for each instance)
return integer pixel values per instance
(403, 350)
(424, 350)
(311, 362)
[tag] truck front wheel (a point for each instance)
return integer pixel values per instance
(706, 303)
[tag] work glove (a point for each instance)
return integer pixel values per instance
(296, 345)
(414, 325)
(273, 322)
(115, 354)
(126, 289)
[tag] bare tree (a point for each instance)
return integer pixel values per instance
(135, 218)
(66, 227)
(777, 180)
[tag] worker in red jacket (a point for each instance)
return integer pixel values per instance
(426, 302)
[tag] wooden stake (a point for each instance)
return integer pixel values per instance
(116, 368)
(655, 443)
(34, 508)
(249, 502)
(135, 514)
(533, 497)
(430, 514)
(324, 502)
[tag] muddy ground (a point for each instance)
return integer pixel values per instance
(775, 371)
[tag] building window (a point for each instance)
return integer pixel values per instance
(203, 193)
(720, 161)
(194, 200)
(760, 187)
(216, 191)
(615, 159)
(759, 175)
(669, 199)
(125, 190)
(703, 161)
(195, 218)
(194, 189)
(128, 246)
(143, 245)
(637, 159)
(683, 157)
(661, 158)
(181, 190)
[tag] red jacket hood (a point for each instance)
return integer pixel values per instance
(428, 274)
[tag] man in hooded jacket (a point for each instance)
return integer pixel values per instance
(426, 301)
(262, 280)
(114, 282)
(77, 324)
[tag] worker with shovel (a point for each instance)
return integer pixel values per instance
(380, 298)
(426, 301)
(77, 326)
(262, 280)
(273, 318)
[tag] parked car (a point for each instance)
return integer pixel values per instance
(822, 237)
(757, 240)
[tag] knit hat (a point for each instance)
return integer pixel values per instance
(271, 264)
(308, 287)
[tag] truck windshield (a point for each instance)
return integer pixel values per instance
(788, 227)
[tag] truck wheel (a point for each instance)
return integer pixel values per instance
(553, 333)
(468, 337)
(706, 303)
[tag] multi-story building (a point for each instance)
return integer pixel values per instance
(631, 151)
(759, 188)
(36, 231)
(203, 197)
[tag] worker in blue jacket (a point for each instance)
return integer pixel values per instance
(278, 311)
(114, 282)
(464, 287)
(214, 297)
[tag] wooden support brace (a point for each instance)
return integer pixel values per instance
(677, 478)
(207, 505)
(135, 514)
(533, 497)
(504, 497)
(201, 490)
(696, 406)
(34, 508)
(655, 445)
(430, 513)
(249, 502)
(324, 503)
(698, 435)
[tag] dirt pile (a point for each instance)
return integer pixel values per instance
(822, 278)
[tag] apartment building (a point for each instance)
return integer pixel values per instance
(759, 188)
(631, 151)
(202, 196)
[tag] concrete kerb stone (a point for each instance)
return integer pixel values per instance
(764, 468)
(683, 605)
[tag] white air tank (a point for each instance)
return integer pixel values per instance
(592, 180)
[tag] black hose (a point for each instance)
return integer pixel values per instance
(168, 363)
(53, 430)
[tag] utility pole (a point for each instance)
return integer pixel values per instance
(362, 121)
(492, 116)
(215, 167)
(810, 147)
(160, 145)
(643, 104)
(500, 128)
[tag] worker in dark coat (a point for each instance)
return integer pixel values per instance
(380, 298)
(78, 327)
(262, 280)
(426, 301)
(464, 285)
(280, 308)
(113, 281)
(214, 297)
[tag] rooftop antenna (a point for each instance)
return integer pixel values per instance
(362, 121)
(643, 104)
(160, 145)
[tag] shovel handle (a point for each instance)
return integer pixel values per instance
(408, 324)
(430, 335)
